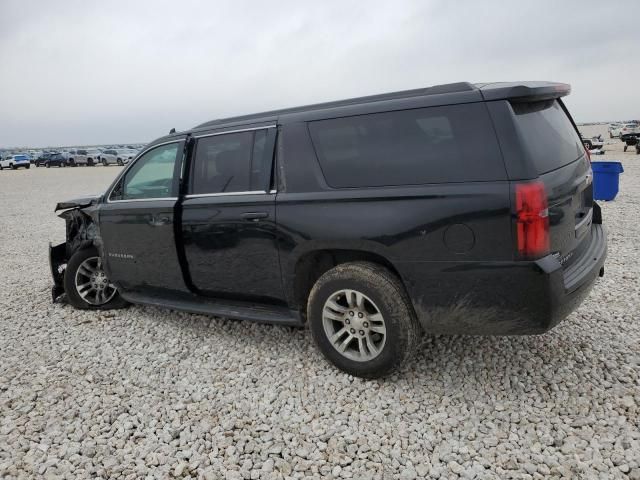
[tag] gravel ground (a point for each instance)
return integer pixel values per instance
(145, 392)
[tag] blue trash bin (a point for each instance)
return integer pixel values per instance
(606, 179)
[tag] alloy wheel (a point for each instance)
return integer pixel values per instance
(92, 284)
(354, 325)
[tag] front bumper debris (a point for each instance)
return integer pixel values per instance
(58, 264)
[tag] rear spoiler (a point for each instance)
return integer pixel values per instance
(523, 91)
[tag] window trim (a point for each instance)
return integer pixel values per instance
(265, 127)
(131, 164)
(228, 194)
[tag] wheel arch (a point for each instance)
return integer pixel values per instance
(313, 264)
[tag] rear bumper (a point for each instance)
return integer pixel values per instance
(502, 298)
(568, 288)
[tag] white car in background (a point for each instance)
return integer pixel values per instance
(629, 128)
(614, 130)
(14, 161)
(117, 156)
(87, 157)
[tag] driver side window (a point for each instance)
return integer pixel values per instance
(150, 177)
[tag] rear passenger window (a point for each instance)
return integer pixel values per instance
(427, 145)
(233, 162)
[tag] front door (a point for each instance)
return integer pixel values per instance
(228, 216)
(137, 223)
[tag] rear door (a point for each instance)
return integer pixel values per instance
(228, 216)
(555, 150)
(137, 223)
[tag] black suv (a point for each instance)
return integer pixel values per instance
(454, 209)
(55, 160)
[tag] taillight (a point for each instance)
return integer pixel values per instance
(588, 153)
(532, 220)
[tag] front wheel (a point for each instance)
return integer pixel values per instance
(86, 284)
(28, 167)
(361, 319)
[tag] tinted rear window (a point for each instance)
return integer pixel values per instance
(548, 134)
(427, 145)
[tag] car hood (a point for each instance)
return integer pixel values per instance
(77, 202)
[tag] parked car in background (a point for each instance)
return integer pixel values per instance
(42, 158)
(87, 157)
(629, 128)
(386, 216)
(630, 140)
(116, 156)
(614, 130)
(15, 161)
(56, 160)
(591, 143)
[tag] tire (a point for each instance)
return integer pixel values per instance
(104, 163)
(28, 167)
(12, 166)
(119, 162)
(73, 276)
(367, 353)
(48, 165)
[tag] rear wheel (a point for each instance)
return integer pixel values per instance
(104, 163)
(362, 320)
(87, 285)
(28, 166)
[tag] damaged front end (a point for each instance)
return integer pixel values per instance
(81, 220)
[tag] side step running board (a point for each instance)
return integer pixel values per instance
(221, 308)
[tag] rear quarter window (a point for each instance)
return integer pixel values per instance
(409, 147)
(547, 134)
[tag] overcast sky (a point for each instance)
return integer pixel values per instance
(85, 72)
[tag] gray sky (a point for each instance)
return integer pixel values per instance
(85, 72)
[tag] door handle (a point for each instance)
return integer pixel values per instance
(254, 216)
(159, 221)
